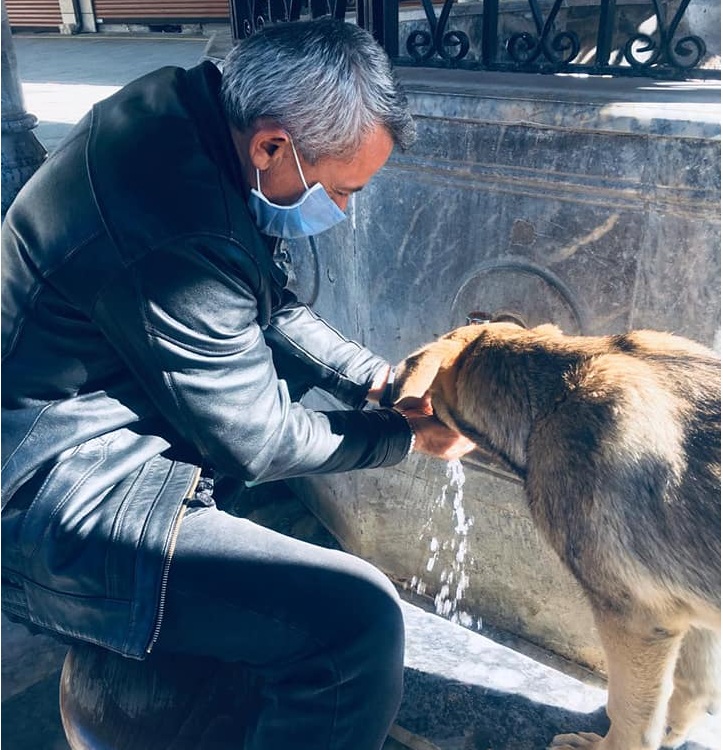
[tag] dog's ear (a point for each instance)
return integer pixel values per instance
(414, 376)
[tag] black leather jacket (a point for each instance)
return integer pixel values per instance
(144, 329)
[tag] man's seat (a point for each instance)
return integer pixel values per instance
(108, 702)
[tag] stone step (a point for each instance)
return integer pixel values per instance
(464, 691)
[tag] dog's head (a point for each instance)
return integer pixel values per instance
(431, 369)
(477, 378)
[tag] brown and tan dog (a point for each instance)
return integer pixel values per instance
(617, 439)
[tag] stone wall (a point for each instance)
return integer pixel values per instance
(590, 203)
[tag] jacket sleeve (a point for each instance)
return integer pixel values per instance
(185, 322)
(308, 352)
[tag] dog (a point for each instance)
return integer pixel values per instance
(617, 440)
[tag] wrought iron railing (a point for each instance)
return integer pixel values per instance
(600, 37)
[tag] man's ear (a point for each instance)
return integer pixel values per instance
(267, 146)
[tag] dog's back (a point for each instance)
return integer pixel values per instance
(623, 464)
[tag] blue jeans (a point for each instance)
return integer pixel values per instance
(322, 628)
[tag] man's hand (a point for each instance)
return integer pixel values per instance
(434, 438)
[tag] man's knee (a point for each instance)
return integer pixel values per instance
(370, 608)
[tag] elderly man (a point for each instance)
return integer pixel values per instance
(148, 338)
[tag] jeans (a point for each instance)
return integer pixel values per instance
(322, 628)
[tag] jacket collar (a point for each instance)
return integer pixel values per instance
(202, 98)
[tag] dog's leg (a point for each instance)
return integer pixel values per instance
(697, 684)
(641, 661)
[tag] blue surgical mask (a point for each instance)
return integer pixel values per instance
(313, 213)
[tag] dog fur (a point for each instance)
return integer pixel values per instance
(617, 439)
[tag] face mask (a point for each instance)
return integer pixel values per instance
(313, 213)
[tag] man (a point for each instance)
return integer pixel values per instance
(147, 336)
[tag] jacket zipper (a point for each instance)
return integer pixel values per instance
(167, 562)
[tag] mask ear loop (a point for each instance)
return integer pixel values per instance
(298, 164)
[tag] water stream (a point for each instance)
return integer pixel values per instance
(451, 572)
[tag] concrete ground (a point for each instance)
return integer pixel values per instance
(64, 76)
(463, 690)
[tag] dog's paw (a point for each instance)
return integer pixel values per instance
(576, 741)
(684, 711)
(674, 738)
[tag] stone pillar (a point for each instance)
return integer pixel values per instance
(87, 16)
(69, 14)
(22, 153)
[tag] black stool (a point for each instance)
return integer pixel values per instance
(108, 702)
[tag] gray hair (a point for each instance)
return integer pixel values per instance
(327, 82)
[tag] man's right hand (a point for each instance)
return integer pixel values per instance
(434, 438)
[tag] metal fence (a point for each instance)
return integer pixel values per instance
(594, 37)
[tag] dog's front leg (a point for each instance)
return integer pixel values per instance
(641, 655)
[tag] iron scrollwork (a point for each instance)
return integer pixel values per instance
(422, 45)
(252, 15)
(248, 16)
(560, 49)
(683, 54)
(663, 53)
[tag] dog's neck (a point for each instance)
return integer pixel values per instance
(500, 396)
(489, 452)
